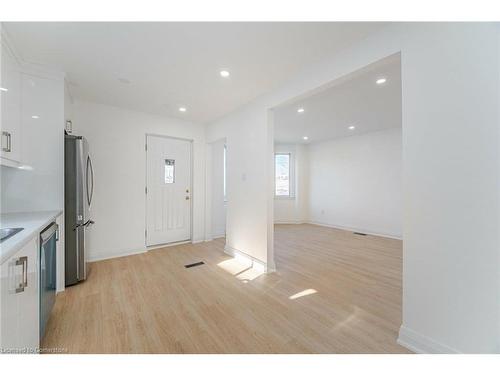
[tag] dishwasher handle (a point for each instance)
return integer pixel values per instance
(49, 232)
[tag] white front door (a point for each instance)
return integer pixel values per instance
(168, 190)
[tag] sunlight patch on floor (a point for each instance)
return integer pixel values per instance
(351, 319)
(234, 266)
(249, 274)
(241, 268)
(306, 292)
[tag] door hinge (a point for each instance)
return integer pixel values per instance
(145, 232)
(146, 147)
(146, 189)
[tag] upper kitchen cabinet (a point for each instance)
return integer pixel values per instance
(11, 106)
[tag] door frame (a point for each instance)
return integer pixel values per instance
(209, 235)
(191, 184)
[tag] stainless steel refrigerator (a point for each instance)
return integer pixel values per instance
(78, 194)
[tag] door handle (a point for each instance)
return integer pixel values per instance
(7, 148)
(23, 261)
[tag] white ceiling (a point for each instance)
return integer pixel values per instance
(355, 100)
(177, 64)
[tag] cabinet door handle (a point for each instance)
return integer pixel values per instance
(23, 261)
(7, 148)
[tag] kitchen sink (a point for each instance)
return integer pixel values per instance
(8, 232)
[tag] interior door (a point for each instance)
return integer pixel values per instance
(168, 190)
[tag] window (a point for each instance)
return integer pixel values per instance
(282, 175)
(169, 171)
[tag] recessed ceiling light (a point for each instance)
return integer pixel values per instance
(352, 127)
(182, 109)
(224, 73)
(305, 138)
(124, 80)
(35, 117)
(381, 81)
(300, 110)
(3, 89)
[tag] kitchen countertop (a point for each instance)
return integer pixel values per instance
(32, 222)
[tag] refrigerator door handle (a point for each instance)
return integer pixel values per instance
(86, 224)
(90, 169)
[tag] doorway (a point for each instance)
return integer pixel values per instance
(168, 190)
(218, 189)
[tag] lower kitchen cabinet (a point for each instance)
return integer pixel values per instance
(19, 300)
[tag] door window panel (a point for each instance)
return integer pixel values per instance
(169, 171)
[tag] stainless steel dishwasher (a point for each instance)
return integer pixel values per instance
(48, 246)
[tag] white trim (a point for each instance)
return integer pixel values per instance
(271, 190)
(42, 71)
(209, 236)
(355, 230)
(290, 222)
(218, 235)
(6, 41)
(29, 68)
(140, 251)
(170, 244)
(422, 344)
(256, 263)
(213, 238)
(126, 253)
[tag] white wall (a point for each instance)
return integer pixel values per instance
(116, 140)
(249, 165)
(293, 209)
(356, 183)
(218, 222)
(451, 168)
(450, 172)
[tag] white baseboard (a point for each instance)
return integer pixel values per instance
(253, 262)
(361, 230)
(421, 344)
(270, 267)
(171, 244)
(124, 253)
(289, 222)
(115, 255)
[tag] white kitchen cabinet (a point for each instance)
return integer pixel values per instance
(10, 93)
(20, 295)
(9, 275)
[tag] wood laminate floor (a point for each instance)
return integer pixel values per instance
(333, 292)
